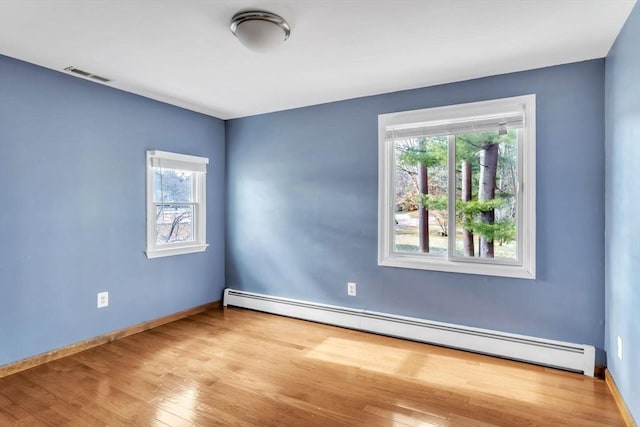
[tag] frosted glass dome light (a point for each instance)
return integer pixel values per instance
(260, 31)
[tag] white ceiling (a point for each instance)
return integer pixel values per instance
(182, 52)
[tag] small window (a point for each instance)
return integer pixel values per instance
(457, 188)
(176, 204)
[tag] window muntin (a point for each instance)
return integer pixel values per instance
(176, 204)
(457, 188)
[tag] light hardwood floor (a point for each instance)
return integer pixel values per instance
(239, 367)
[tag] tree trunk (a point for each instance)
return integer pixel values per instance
(467, 236)
(423, 180)
(487, 191)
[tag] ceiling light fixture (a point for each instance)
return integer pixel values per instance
(259, 30)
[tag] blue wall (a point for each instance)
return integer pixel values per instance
(622, 225)
(302, 209)
(72, 210)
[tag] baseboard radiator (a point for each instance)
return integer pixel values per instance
(556, 354)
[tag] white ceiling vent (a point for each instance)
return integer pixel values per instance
(87, 74)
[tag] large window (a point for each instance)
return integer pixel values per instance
(457, 188)
(176, 204)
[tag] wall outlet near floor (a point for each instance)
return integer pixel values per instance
(619, 348)
(103, 299)
(351, 289)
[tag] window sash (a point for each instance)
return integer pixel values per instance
(193, 223)
(451, 210)
(451, 168)
(193, 180)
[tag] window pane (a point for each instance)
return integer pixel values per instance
(170, 185)
(174, 223)
(421, 195)
(486, 195)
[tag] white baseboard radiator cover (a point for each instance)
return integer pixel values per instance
(539, 351)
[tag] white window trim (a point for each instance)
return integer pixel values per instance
(184, 162)
(526, 266)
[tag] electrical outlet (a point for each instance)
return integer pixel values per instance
(103, 299)
(351, 289)
(619, 348)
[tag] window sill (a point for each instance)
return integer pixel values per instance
(420, 263)
(175, 250)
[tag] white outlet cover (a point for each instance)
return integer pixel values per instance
(351, 289)
(103, 299)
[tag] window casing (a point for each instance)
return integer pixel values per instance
(457, 188)
(176, 204)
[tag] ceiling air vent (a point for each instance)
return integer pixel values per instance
(87, 74)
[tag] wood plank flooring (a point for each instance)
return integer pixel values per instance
(239, 367)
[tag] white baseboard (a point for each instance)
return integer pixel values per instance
(557, 354)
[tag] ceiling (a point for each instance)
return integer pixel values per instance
(182, 52)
